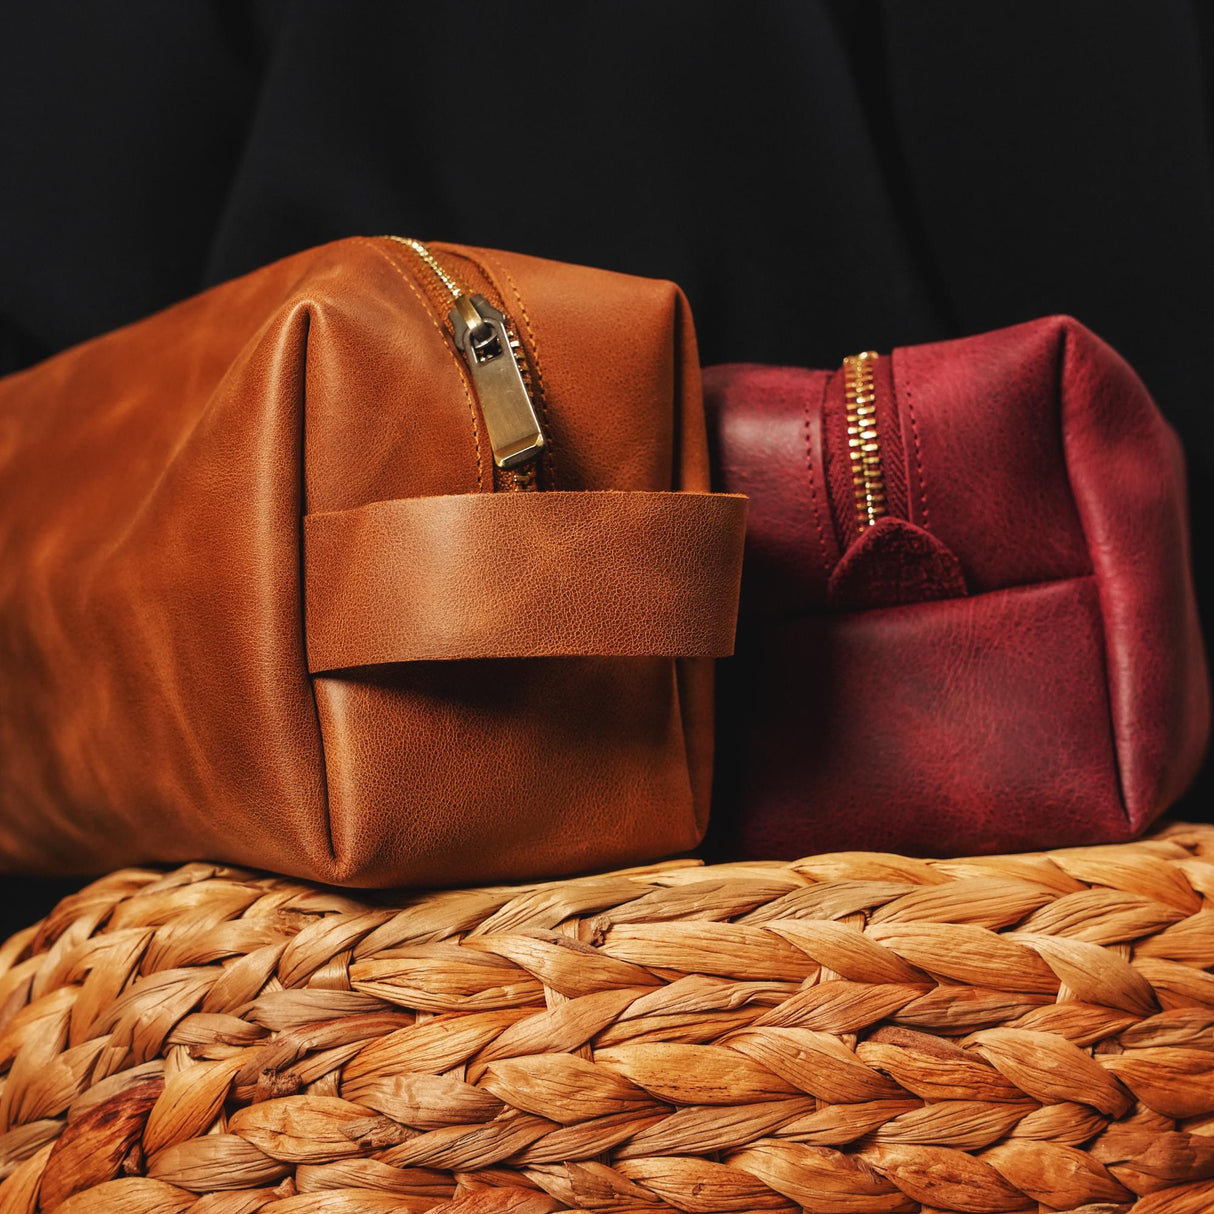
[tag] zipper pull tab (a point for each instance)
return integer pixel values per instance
(481, 336)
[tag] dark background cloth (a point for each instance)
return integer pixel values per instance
(820, 177)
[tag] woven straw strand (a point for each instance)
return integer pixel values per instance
(849, 1034)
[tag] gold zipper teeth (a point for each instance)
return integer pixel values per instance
(863, 441)
(500, 369)
(524, 478)
(455, 290)
(432, 264)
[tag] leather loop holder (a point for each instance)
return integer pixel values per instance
(478, 575)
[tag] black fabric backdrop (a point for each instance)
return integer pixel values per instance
(820, 177)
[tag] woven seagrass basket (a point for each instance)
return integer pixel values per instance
(852, 1033)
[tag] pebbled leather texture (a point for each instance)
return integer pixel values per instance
(155, 486)
(894, 562)
(1056, 694)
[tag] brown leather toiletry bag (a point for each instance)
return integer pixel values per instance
(388, 563)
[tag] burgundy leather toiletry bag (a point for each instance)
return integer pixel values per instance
(968, 616)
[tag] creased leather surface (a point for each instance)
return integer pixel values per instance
(928, 728)
(1127, 473)
(157, 703)
(593, 574)
(768, 444)
(1065, 701)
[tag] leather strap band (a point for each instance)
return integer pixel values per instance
(494, 575)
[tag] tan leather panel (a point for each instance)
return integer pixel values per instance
(607, 346)
(156, 702)
(592, 573)
(556, 765)
(390, 412)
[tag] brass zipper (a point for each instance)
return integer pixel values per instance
(863, 440)
(490, 345)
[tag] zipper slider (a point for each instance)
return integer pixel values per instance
(481, 336)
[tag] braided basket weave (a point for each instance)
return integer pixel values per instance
(855, 1033)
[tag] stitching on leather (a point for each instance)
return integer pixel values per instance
(914, 421)
(480, 470)
(813, 490)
